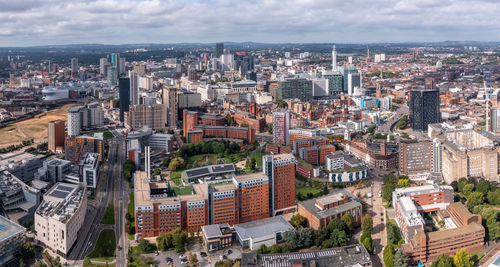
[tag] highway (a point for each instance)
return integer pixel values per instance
(386, 127)
(121, 201)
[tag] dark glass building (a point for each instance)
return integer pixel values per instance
(124, 95)
(424, 109)
(295, 88)
(219, 50)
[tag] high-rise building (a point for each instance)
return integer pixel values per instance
(334, 59)
(169, 96)
(415, 157)
(140, 69)
(122, 66)
(124, 95)
(335, 83)
(280, 169)
(219, 50)
(424, 109)
(74, 65)
(84, 117)
(74, 121)
(495, 119)
(227, 62)
(134, 88)
(75, 148)
(112, 75)
(103, 62)
(350, 80)
(295, 88)
(152, 116)
(56, 134)
(115, 60)
(353, 80)
(281, 126)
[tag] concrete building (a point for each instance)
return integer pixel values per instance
(169, 96)
(138, 139)
(252, 196)
(211, 172)
(60, 216)
(112, 76)
(74, 121)
(90, 116)
(140, 116)
(320, 211)
(57, 132)
(415, 158)
(134, 88)
(18, 200)
(280, 169)
(295, 88)
(21, 164)
(54, 170)
(299, 133)
(269, 231)
(124, 94)
(74, 65)
(12, 238)
(89, 169)
(281, 127)
(315, 155)
(216, 237)
(75, 148)
(349, 256)
(380, 155)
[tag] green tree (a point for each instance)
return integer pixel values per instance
(28, 250)
(462, 182)
(176, 164)
(298, 220)
(403, 183)
(337, 224)
(400, 259)
(483, 186)
(193, 259)
(393, 234)
(281, 103)
(387, 192)
(494, 197)
(463, 259)
(367, 223)
(442, 260)
(274, 249)
(468, 188)
(325, 190)
(145, 246)
(262, 249)
(338, 238)
(474, 199)
(250, 164)
(368, 243)
(320, 235)
(179, 240)
(389, 255)
(349, 221)
(270, 128)
(86, 263)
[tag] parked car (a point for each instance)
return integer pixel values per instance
(203, 254)
(229, 252)
(182, 257)
(184, 261)
(169, 259)
(156, 253)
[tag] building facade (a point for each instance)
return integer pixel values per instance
(424, 109)
(281, 127)
(57, 132)
(280, 169)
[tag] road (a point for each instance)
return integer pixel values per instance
(121, 201)
(386, 127)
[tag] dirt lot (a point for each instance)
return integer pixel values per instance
(36, 128)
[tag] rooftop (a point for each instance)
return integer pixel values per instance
(262, 228)
(310, 205)
(61, 201)
(250, 176)
(9, 229)
(209, 170)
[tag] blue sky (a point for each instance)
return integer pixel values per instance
(35, 22)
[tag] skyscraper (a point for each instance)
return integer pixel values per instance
(112, 75)
(281, 126)
(74, 121)
(495, 116)
(295, 88)
(350, 79)
(334, 59)
(74, 65)
(134, 88)
(56, 134)
(280, 169)
(115, 60)
(124, 95)
(103, 62)
(169, 96)
(424, 109)
(219, 50)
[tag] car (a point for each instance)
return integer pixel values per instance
(156, 253)
(169, 259)
(118, 248)
(381, 214)
(182, 257)
(229, 252)
(184, 261)
(224, 257)
(203, 254)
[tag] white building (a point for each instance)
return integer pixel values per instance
(53, 94)
(89, 169)
(134, 88)
(60, 216)
(267, 232)
(84, 117)
(227, 62)
(13, 237)
(21, 164)
(320, 87)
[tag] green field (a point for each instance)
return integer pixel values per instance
(187, 190)
(258, 157)
(304, 190)
(106, 134)
(109, 215)
(176, 177)
(131, 208)
(105, 248)
(202, 159)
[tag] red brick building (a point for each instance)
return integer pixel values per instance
(280, 169)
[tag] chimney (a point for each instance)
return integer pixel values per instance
(383, 151)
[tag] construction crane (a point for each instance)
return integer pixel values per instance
(356, 186)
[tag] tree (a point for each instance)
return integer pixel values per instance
(250, 164)
(442, 260)
(468, 188)
(349, 221)
(298, 220)
(387, 192)
(368, 243)
(461, 183)
(270, 128)
(179, 239)
(262, 249)
(474, 199)
(367, 223)
(463, 259)
(483, 186)
(193, 259)
(176, 164)
(86, 263)
(400, 259)
(393, 234)
(320, 235)
(157, 171)
(403, 183)
(389, 255)
(28, 251)
(336, 224)
(338, 238)
(237, 264)
(145, 246)
(494, 197)
(281, 103)
(275, 249)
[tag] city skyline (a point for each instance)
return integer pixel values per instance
(124, 22)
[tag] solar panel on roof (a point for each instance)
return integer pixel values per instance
(65, 188)
(59, 194)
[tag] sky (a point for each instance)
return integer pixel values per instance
(53, 22)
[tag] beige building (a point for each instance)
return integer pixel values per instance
(152, 116)
(60, 216)
(467, 153)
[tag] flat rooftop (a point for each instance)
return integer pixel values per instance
(250, 176)
(8, 229)
(336, 197)
(62, 201)
(310, 205)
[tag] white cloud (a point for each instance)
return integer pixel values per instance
(33, 22)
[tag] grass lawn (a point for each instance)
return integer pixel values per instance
(131, 208)
(109, 215)
(105, 246)
(258, 157)
(176, 177)
(201, 159)
(305, 190)
(187, 190)
(106, 134)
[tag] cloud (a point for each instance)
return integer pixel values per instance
(34, 22)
